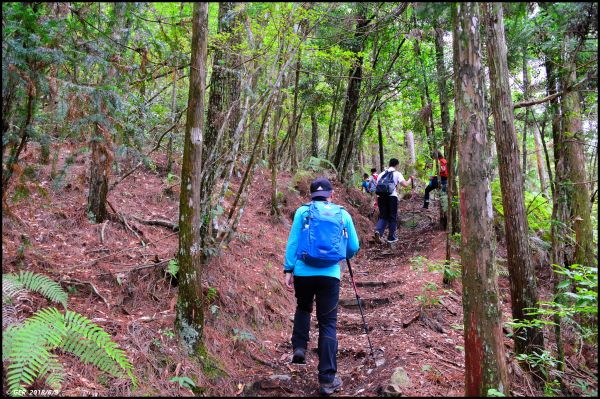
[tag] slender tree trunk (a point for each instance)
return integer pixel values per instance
(380, 140)
(540, 160)
(410, 143)
(101, 143)
(452, 219)
(521, 269)
(189, 322)
(293, 126)
(315, 135)
(332, 119)
(344, 148)
(526, 121)
(442, 84)
(560, 216)
(485, 363)
(173, 112)
(573, 141)
(16, 149)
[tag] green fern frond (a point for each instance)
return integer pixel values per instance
(95, 345)
(54, 373)
(40, 283)
(28, 348)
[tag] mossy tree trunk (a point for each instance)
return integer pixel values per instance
(523, 286)
(485, 364)
(189, 321)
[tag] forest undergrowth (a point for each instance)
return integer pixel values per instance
(116, 274)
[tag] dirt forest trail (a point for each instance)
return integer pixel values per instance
(249, 316)
(426, 344)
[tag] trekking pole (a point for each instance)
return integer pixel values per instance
(360, 307)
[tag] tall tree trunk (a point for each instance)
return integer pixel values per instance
(540, 160)
(410, 144)
(442, 84)
(573, 141)
(17, 147)
(332, 119)
(380, 140)
(173, 112)
(485, 363)
(345, 148)
(101, 143)
(189, 321)
(560, 207)
(526, 121)
(273, 153)
(452, 216)
(224, 100)
(295, 120)
(523, 285)
(314, 149)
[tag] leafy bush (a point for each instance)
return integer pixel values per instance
(538, 208)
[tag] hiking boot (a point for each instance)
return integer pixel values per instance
(299, 356)
(392, 240)
(327, 388)
(377, 237)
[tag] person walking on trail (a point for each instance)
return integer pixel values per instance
(387, 201)
(433, 180)
(370, 188)
(312, 270)
(373, 179)
(365, 183)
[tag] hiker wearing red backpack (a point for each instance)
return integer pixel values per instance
(387, 201)
(322, 235)
(433, 180)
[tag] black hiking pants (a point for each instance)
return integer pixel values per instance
(325, 291)
(433, 184)
(388, 215)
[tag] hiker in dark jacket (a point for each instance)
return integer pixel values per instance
(320, 284)
(433, 180)
(388, 205)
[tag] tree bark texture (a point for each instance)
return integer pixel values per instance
(345, 146)
(442, 85)
(523, 286)
(189, 322)
(485, 364)
(540, 159)
(573, 141)
(380, 141)
(560, 206)
(295, 120)
(526, 121)
(314, 148)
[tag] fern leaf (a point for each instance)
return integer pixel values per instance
(27, 347)
(94, 345)
(54, 373)
(42, 284)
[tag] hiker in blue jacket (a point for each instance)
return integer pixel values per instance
(318, 283)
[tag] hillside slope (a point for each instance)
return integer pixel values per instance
(118, 282)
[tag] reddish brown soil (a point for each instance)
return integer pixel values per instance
(249, 315)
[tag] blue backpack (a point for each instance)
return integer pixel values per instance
(324, 237)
